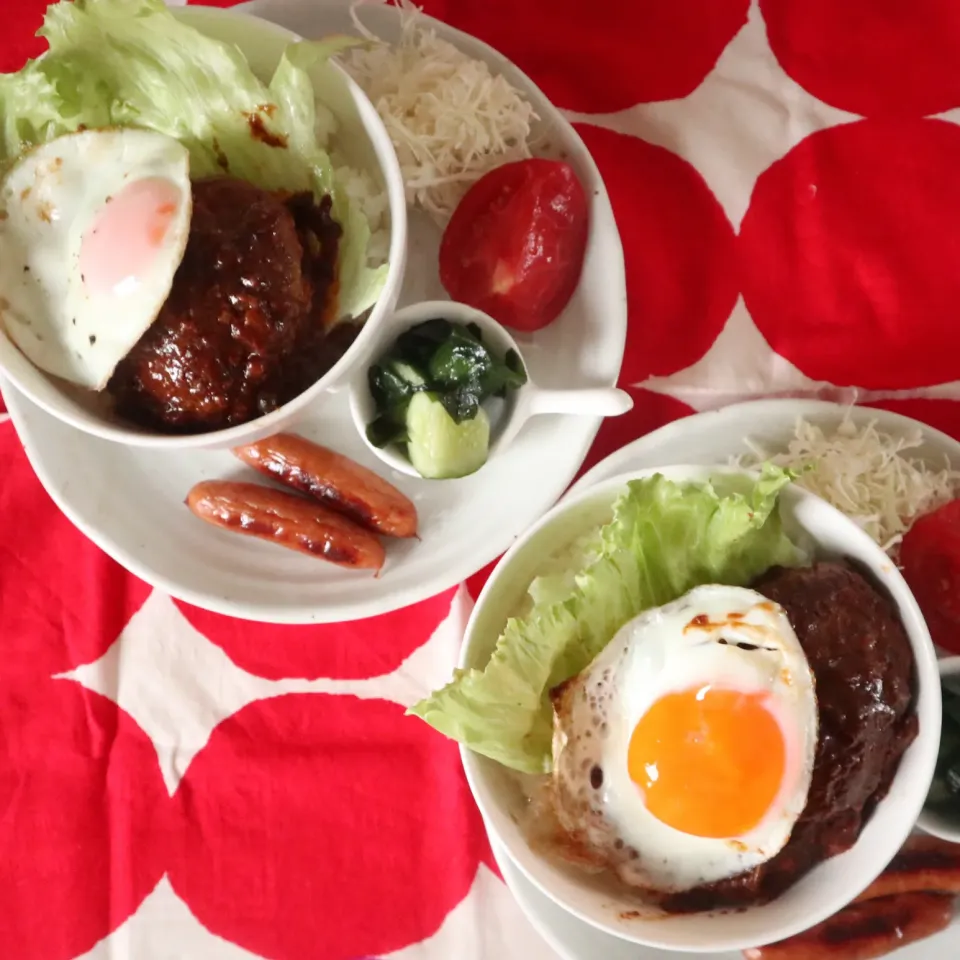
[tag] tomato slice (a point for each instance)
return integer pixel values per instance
(930, 558)
(514, 246)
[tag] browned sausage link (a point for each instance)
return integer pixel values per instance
(865, 931)
(334, 480)
(923, 863)
(288, 520)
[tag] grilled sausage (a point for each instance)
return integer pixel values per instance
(288, 520)
(334, 480)
(865, 931)
(923, 863)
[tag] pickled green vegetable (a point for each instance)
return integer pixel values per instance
(450, 362)
(945, 791)
(440, 448)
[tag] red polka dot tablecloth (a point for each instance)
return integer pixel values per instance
(174, 784)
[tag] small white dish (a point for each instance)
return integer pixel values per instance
(935, 822)
(363, 141)
(825, 889)
(510, 414)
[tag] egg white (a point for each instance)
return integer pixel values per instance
(660, 652)
(48, 200)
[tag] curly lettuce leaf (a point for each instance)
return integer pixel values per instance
(665, 538)
(133, 63)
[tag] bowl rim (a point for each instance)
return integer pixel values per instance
(201, 18)
(644, 932)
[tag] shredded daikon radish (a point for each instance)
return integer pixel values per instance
(451, 119)
(863, 472)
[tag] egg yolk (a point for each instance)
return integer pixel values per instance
(120, 247)
(709, 761)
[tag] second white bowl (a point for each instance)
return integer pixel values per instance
(823, 891)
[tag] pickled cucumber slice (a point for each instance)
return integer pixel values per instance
(407, 373)
(438, 447)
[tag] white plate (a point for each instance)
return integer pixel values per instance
(573, 939)
(130, 501)
(704, 439)
(716, 436)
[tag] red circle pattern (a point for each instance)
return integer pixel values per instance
(85, 816)
(877, 58)
(21, 21)
(679, 248)
(362, 648)
(942, 415)
(63, 601)
(565, 45)
(325, 827)
(858, 285)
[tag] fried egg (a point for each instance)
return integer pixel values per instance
(683, 754)
(93, 226)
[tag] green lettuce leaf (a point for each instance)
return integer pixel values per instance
(664, 539)
(133, 63)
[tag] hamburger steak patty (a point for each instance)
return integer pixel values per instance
(242, 330)
(864, 671)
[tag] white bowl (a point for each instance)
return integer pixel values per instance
(830, 885)
(364, 142)
(938, 824)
